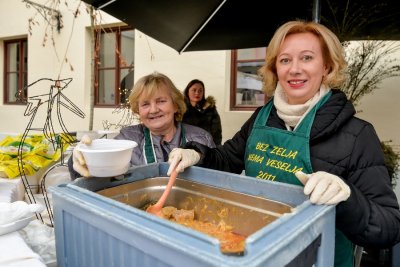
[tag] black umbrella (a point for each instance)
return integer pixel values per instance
(196, 25)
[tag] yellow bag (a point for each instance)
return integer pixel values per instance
(37, 152)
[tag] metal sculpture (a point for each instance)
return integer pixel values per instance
(53, 101)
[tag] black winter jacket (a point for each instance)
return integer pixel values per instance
(343, 145)
(205, 117)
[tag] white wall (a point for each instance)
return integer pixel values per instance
(19, 29)
(382, 109)
(48, 61)
(43, 61)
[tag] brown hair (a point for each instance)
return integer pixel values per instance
(149, 85)
(332, 51)
(186, 92)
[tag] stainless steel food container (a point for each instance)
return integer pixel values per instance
(98, 221)
(245, 213)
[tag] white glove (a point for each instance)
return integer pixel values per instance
(181, 159)
(79, 163)
(324, 188)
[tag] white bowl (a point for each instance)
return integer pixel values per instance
(107, 157)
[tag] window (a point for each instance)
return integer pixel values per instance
(114, 66)
(15, 71)
(246, 85)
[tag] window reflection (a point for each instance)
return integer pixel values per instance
(246, 88)
(249, 84)
(15, 71)
(114, 66)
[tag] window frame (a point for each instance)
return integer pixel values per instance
(233, 88)
(118, 65)
(22, 74)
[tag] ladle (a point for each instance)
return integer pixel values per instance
(156, 209)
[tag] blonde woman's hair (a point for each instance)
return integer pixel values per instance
(150, 85)
(332, 51)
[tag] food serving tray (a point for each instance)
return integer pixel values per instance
(243, 212)
(97, 226)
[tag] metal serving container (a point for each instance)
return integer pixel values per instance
(98, 221)
(245, 213)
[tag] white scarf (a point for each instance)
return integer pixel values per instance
(292, 115)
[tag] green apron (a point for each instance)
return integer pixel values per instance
(276, 154)
(148, 148)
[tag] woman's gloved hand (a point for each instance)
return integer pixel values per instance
(181, 159)
(79, 163)
(324, 188)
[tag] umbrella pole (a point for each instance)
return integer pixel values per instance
(316, 12)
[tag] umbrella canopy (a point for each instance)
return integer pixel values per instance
(193, 25)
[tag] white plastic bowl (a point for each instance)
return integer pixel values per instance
(107, 157)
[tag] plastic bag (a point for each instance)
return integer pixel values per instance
(37, 152)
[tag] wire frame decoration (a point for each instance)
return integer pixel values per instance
(124, 112)
(52, 103)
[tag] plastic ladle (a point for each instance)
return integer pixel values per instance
(156, 209)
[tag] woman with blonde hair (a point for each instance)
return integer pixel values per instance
(309, 127)
(160, 106)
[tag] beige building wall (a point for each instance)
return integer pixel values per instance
(213, 67)
(382, 109)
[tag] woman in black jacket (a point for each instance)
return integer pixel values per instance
(202, 111)
(307, 134)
